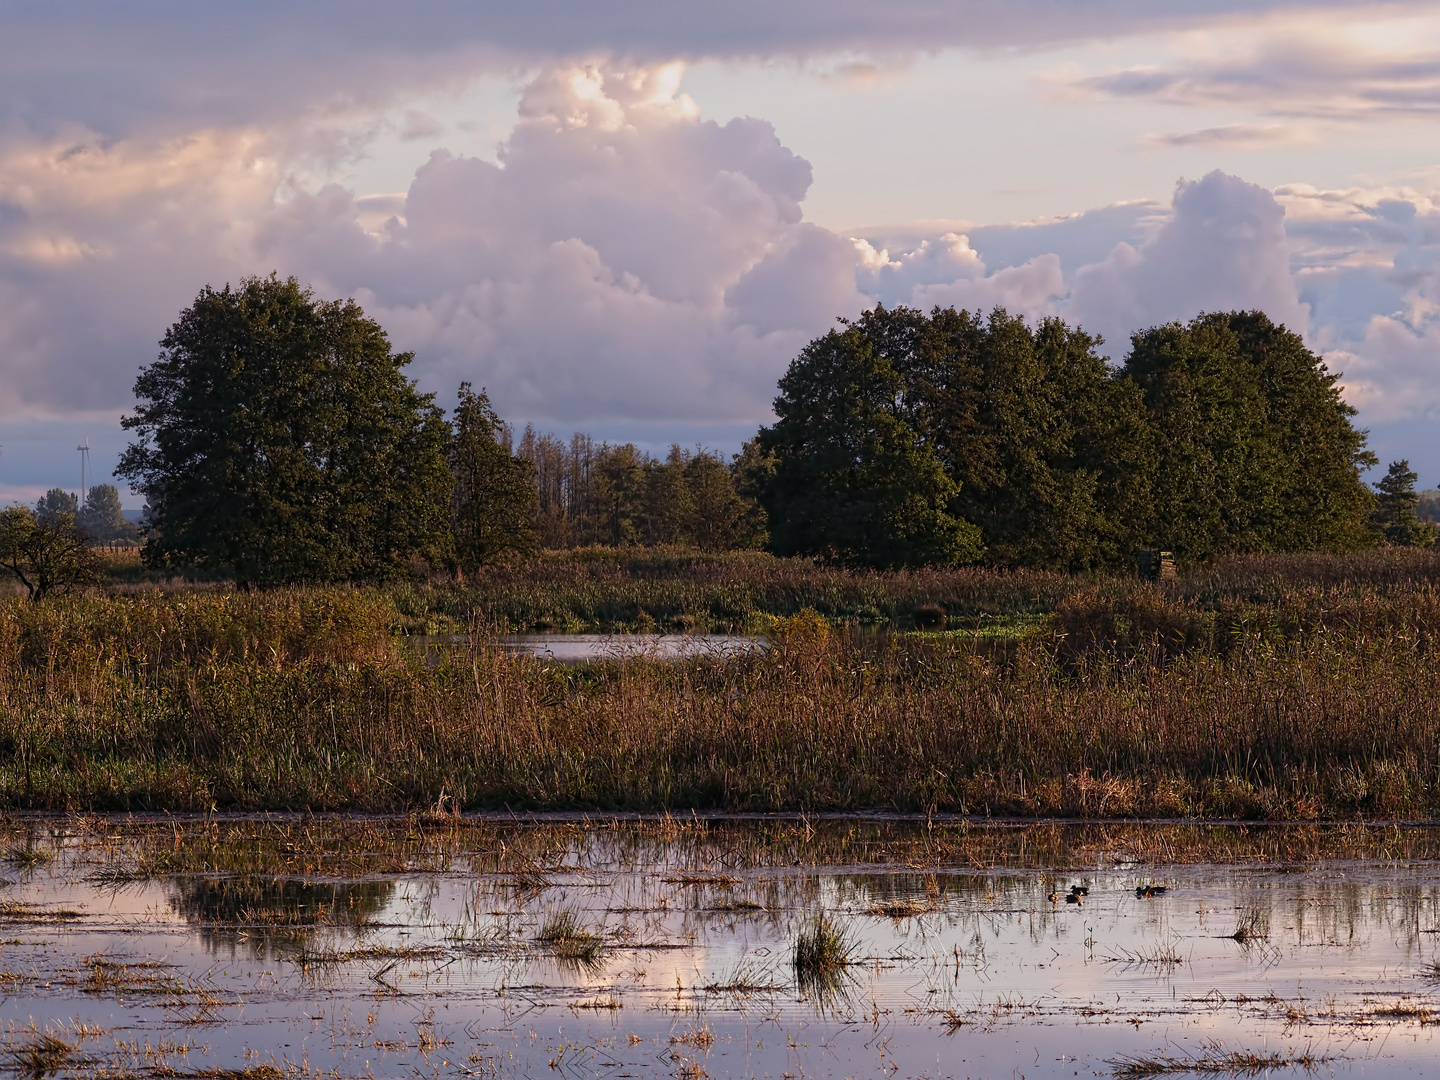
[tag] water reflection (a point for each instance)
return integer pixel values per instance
(533, 948)
(261, 912)
(586, 648)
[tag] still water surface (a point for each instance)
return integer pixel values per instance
(586, 648)
(418, 947)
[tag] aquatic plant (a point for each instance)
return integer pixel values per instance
(822, 949)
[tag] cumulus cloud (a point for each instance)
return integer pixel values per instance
(1224, 247)
(622, 259)
(625, 261)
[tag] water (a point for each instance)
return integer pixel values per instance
(584, 648)
(411, 946)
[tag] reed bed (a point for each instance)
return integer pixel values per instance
(1131, 701)
(678, 588)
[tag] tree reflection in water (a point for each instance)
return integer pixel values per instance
(268, 913)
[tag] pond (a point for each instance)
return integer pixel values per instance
(666, 947)
(585, 648)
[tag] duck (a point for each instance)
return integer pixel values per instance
(1144, 892)
(1077, 894)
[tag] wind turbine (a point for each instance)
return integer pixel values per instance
(84, 449)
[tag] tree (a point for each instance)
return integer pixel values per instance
(614, 498)
(1254, 448)
(55, 502)
(45, 554)
(279, 438)
(1396, 503)
(854, 479)
(102, 518)
(1046, 444)
(495, 502)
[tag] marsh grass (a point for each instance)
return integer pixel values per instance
(823, 949)
(1253, 925)
(1271, 697)
(38, 1054)
(566, 939)
(1214, 1060)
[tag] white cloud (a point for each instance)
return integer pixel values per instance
(624, 261)
(1223, 248)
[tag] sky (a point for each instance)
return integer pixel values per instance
(628, 218)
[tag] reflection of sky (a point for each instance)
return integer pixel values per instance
(1022, 975)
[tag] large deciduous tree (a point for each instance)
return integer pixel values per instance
(1046, 444)
(854, 479)
(280, 438)
(1254, 447)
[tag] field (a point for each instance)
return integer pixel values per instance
(1285, 688)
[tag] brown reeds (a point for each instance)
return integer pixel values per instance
(1134, 700)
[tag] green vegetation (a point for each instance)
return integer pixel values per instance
(495, 501)
(1397, 506)
(280, 440)
(1265, 687)
(900, 435)
(45, 552)
(102, 519)
(822, 949)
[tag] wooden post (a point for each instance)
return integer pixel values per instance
(1157, 565)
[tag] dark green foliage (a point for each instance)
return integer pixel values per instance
(1254, 448)
(102, 518)
(855, 480)
(47, 553)
(1042, 439)
(1226, 435)
(621, 496)
(495, 502)
(1396, 505)
(280, 438)
(55, 502)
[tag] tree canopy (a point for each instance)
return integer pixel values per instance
(45, 554)
(855, 479)
(1396, 507)
(902, 433)
(280, 438)
(1254, 448)
(101, 518)
(496, 505)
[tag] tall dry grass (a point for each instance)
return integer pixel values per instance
(1133, 700)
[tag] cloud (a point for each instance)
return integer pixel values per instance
(624, 263)
(1287, 74)
(1231, 137)
(162, 66)
(622, 260)
(1224, 247)
(420, 125)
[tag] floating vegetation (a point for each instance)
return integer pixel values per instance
(1214, 1060)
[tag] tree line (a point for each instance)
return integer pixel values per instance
(904, 438)
(280, 439)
